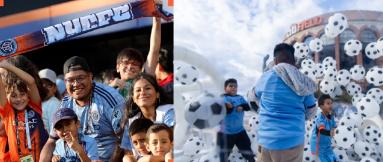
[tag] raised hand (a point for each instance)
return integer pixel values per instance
(56, 158)
(118, 83)
(73, 144)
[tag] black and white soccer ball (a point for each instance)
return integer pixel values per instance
(316, 45)
(337, 23)
(376, 156)
(340, 153)
(254, 123)
(328, 61)
(344, 136)
(353, 47)
(236, 158)
(371, 51)
(356, 98)
(186, 75)
(337, 91)
(368, 107)
(343, 77)
(352, 88)
(193, 146)
(371, 134)
(309, 71)
(330, 32)
(301, 50)
(379, 46)
(252, 135)
(327, 86)
(376, 93)
(308, 62)
(363, 149)
(319, 70)
(330, 73)
(358, 118)
(308, 156)
(212, 156)
(205, 111)
(357, 72)
(367, 159)
(375, 76)
(347, 121)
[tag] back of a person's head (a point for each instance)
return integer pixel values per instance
(231, 80)
(131, 54)
(155, 128)
(165, 59)
(110, 74)
(139, 126)
(284, 53)
(323, 98)
(99, 78)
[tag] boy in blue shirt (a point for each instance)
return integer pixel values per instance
(324, 131)
(231, 131)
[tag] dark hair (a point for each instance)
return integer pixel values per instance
(159, 127)
(56, 94)
(99, 78)
(16, 84)
(26, 65)
(165, 59)
(284, 53)
(231, 80)
(323, 98)
(110, 74)
(140, 125)
(131, 54)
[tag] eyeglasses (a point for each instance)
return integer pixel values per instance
(80, 80)
(133, 63)
(47, 84)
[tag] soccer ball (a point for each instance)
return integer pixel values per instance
(205, 111)
(252, 135)
(327, 86)
(337, 91)
(352, 88)
(308, 62)
(376, 94)
(341, 153)
(301, 50)
(368, 107)
(353, 47)
(253, 101)
(363, 149)
(374, 76)
(337, 23)
(254, 123)
(344, 136)
(357, 72)
(329, 73)
(367, 159)
(193, 146)
(307, 156)
(356, 98)
(379, 46)
(328, 61)
(209, 157)
(330, 32)
(238, 158)
(347, 121)
(371, 51)
(316, 45)
(371, 134)
(309, 71)
(358, 118)
(186, 75)
(319, 70)
(343, 77)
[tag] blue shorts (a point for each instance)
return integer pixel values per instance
(329, 158)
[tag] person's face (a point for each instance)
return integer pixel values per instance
(128, 69)
(18, 100)
(50, 86)
(65, 127)
(159, 143)
(139, 140)
(144, 94)
(327, 106)
(81, 84)
(231, 89)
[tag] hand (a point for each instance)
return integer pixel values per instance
(332, 133)
(3, 63)
(73, 144)
(56, 158)
(239, 108)
(98, 161)
(229, 105)
(118, 83)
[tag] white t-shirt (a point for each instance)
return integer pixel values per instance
(49, 107)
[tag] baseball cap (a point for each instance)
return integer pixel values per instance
(63, 113)
(48, 74)
(74, 61)
(61, 86)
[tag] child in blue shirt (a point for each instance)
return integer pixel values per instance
(323, 132)
(231, 131)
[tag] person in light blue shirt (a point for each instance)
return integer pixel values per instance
(231, 131)
(286, 97)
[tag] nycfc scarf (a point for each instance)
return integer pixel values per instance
(78, 26)
(166, 80)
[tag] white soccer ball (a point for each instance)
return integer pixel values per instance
(330, 32)
(252, 135)
(309, 71)
(353, 47)
(341, 153)
(308, 62)
(356, 98)
(343, 77)
(352, 88)
(375, 76)
(316, 45)
(367, 159)
(186, 75)
(253, 123)
(209, 157)
(371, 134)
(205, 111)
(376, 93)
(358, 118)
(254, 147)
(308, 136)
(319, 70)
(307, 156)
(337, 23)
(371, 51)
(347, 121)
(238, 158)
(357, 72)
(327, 86)
(379, 46)
(193, 146)
(368, 107)
(337, 91)
(329, 73)
(363, 149)
(328, 61)
(301, 50)
(344, 136)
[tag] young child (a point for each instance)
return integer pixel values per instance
(22, 115)
(137, 132)
(231, 131)
(72, 146)
(159, 140)
(323, 132)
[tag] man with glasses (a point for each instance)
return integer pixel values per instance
(98, 106)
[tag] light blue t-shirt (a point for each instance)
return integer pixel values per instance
(168, 119)
(233, 122)
(282, 114)
(324, 143)
(106, 114)
(89, 145)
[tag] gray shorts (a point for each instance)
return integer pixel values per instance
(294, 154)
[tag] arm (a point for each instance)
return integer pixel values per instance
(152, 158)
(155, 44)
(47, 151)
(130, 158)
(3, 97)
(26, 78)
(245, 106)
(83, 157)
